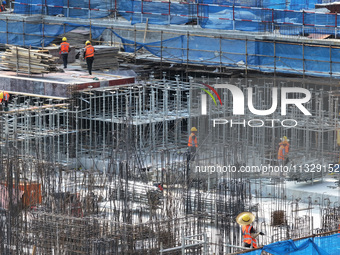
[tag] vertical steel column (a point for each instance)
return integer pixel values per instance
(23, 31)
(141, 15)
(91, 124)
(336, 25)
(246, 55)
(7, 29)
(169, 15)
(330, 61)
(67, 138)
(161, 64)
(115, 9)
(104, 126)
(89, 14)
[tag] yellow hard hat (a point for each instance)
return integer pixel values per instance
(64, 39)
(87, 42)
(193, 129)
(245, 218)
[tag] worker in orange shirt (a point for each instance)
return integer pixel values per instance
(4, 97)
(64, 50)
(248, 231)
(282, 154)
(89, 56)
(3, 6)
(192, 143)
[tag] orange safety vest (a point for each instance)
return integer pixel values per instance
(286, 145)
(64, 47)
(89, 51)
(4, 97)
(283, 150)
(247, 237)
(192, 140)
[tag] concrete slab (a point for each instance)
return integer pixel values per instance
(59, 84)
(316, 191)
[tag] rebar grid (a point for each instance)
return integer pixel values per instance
(99, 168)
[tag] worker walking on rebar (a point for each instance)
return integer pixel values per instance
(64, 50)
(248, 231)
(192, 143)
(282, 154)
(89, 56)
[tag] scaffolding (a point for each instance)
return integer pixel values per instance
(101, 155)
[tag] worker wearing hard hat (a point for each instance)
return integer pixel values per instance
(248, 231)
(4, 98)
(89, 56)
(3, 6)
(64, 50)
(192, 143)
(282, 154)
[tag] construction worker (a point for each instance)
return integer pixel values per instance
(282, 154)
(4, 97)
(3, 6)
(89, 56)
(248, 231)
(64, 50)
(192, 143)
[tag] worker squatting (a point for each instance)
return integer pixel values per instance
(256, 122)
(243, 169)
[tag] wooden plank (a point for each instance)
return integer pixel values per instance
(146, 29)
(28, 61)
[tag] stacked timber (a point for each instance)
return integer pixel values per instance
(105, 57)
(29, 61)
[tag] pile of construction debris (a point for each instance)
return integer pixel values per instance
(105, 57)
(28, 61)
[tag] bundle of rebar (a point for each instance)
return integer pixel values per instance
(29, 61)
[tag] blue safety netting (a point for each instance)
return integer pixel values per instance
(257, 55)
(29, 34)
(305, 4)
(327, 245)
(75, 8)
(257, 20)
(160, 13)
(267, 56)
(201, 50)
(276, 4)
(253, 15)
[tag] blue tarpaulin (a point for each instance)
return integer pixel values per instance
(326, 245)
